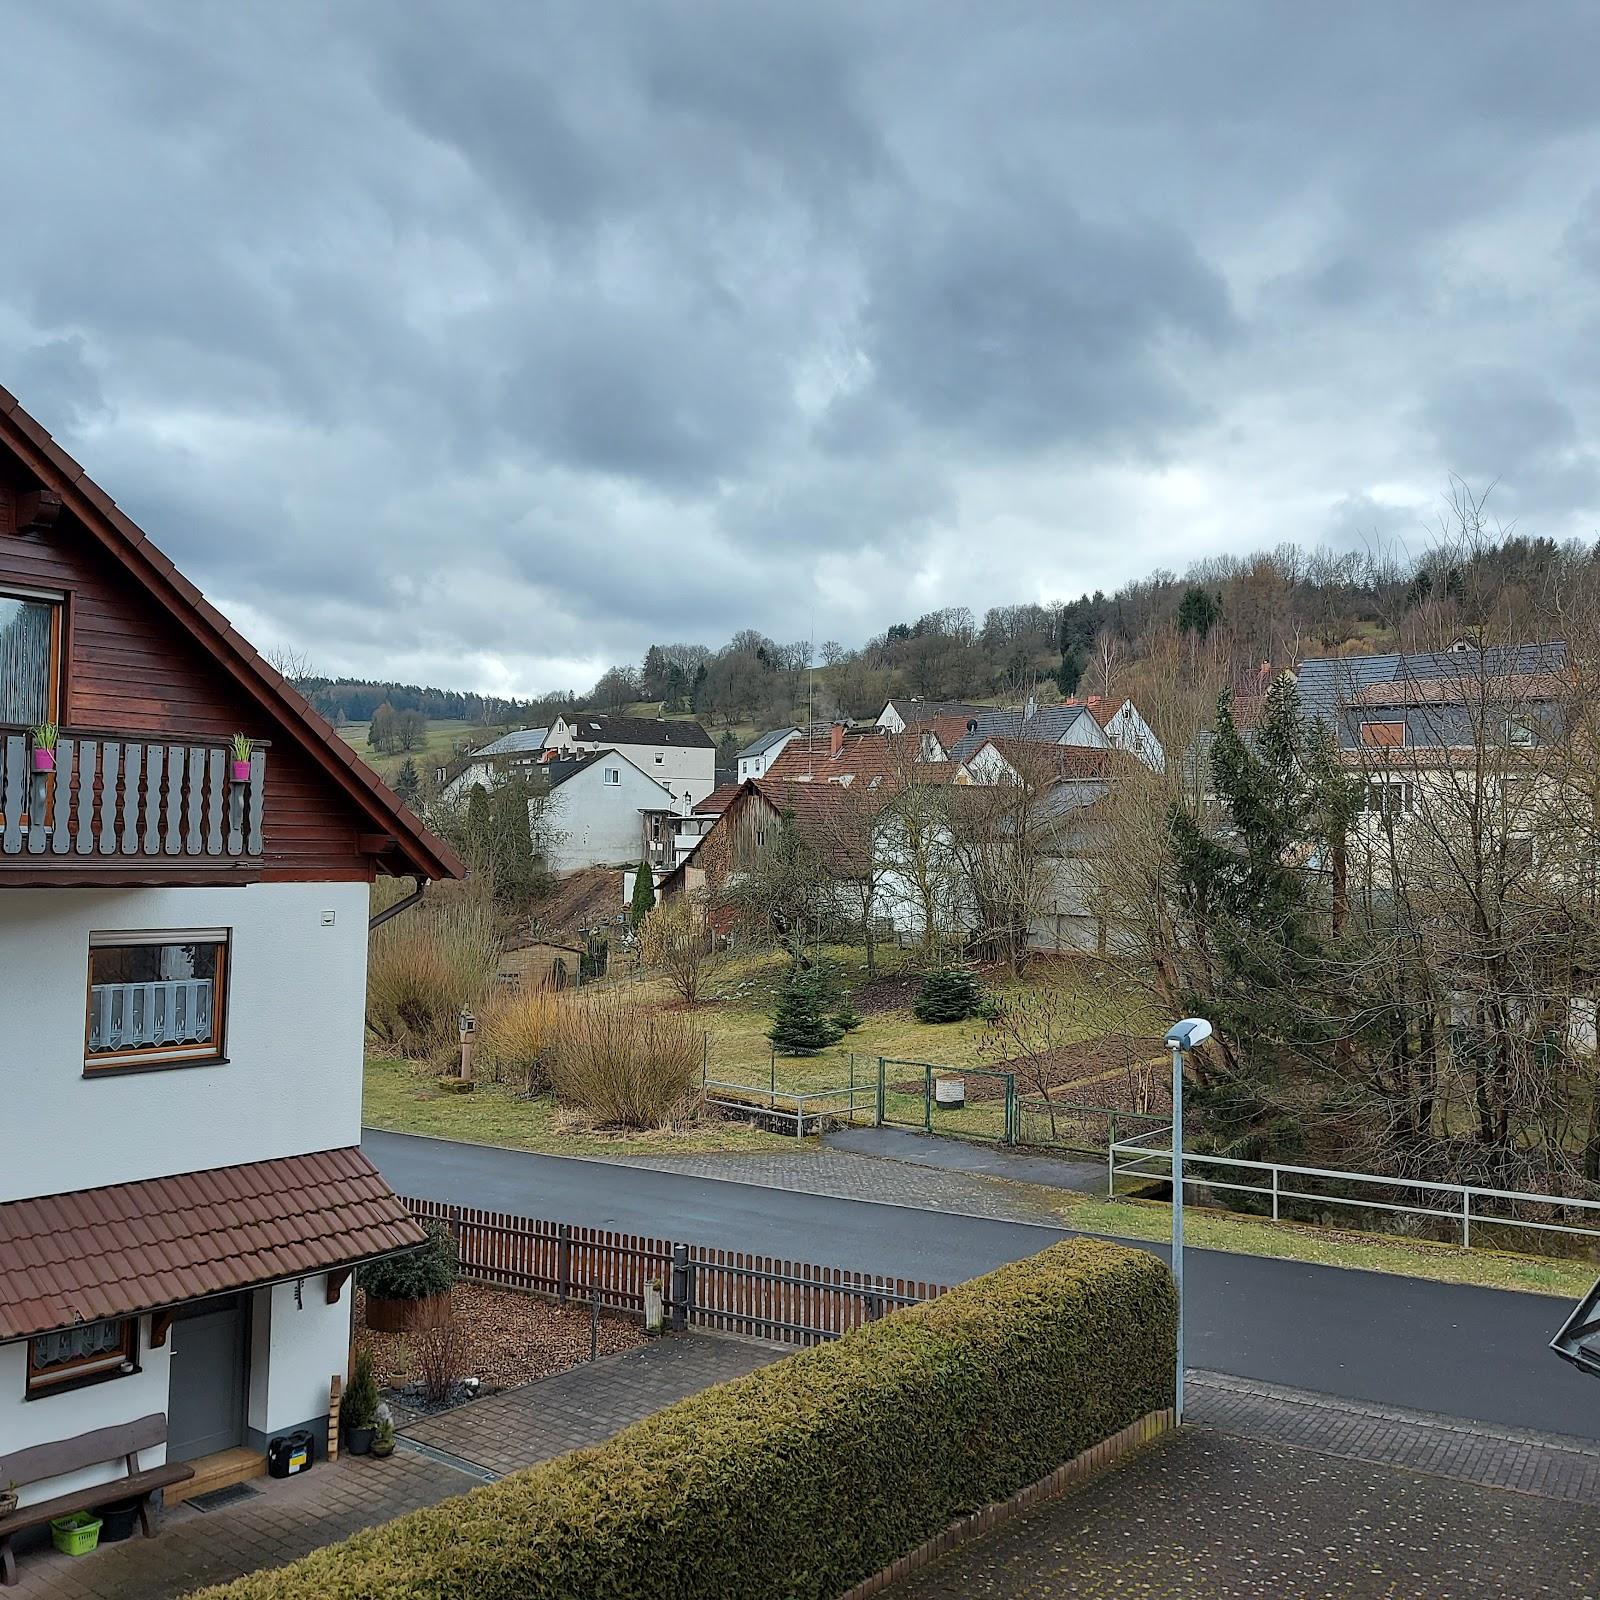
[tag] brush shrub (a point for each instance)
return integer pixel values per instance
(806, 1476)
(626, 1065)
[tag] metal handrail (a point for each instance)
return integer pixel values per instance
(1137, 1155)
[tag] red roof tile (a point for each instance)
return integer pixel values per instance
(132, 1247)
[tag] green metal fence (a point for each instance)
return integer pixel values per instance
(977, 1103)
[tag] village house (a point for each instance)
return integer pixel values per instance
(513, 754)
(761, 752)
(599, 809)
(183, 934)
(680, 755)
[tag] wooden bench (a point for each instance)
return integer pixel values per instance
(41, 1462)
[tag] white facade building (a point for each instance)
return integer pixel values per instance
(594, 814)
(762, 751)
(680, 755)
(183, 942)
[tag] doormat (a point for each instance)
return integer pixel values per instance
(216, 1499)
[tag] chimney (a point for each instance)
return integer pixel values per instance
(1030, 710)
(835, 738)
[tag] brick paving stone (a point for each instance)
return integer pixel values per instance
(846, 1176)
(282, 1521)
(1558, 1467)
(1205, 1515)
(587, 1404)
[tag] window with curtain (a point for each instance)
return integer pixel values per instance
(29, 630)
(158, 999)
(83, 1354)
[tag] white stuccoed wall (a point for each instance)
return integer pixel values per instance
(306, 1344)
(74, 1411)
(292, 1082)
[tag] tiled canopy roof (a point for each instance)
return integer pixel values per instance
(130, 1247)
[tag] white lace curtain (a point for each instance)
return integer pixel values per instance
(24, 660)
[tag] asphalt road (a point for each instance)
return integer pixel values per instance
(1480, 1354)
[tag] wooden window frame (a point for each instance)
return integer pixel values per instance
(1398, 743)
(57, 601)
(159, 1058)
(79, 1374)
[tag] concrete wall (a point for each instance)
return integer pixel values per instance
(295, 1005)
(63, 1416)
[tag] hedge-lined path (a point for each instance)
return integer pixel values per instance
(1377, 1338)
(278, 1521)
(1205, 1514)
(586, 1405)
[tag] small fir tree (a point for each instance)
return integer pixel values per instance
(644, 894)
(948, 994)
(800, 1023)
(408, 783)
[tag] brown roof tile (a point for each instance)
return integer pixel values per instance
(132, 1247)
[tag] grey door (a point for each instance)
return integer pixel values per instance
(205, 1403)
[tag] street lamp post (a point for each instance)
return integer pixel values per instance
(1181, 1036)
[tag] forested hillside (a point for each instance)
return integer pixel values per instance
(1231, 616)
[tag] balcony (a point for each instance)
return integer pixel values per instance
(125, 810)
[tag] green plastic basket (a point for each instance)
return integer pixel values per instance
(76, 1535)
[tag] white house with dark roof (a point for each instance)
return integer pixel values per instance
(681, 755)
(601, 811)
(762, 751)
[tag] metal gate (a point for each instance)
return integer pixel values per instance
(909, 1097)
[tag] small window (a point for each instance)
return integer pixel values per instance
(660, 758)
(30, 659)
(85, 1354)
(1519, 734)
(1386, 735)
(1389, 799)
(761, 837)
(155, 999)
(613, 775)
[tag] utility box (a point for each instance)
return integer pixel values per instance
(1579, 1338)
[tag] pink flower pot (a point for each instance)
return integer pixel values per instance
(43, 760)
(241, 772)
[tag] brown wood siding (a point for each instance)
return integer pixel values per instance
(128, 669)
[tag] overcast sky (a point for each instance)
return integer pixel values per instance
(483, 344)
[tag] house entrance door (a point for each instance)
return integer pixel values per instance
(205, 1401)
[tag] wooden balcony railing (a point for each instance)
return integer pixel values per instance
(129, 798)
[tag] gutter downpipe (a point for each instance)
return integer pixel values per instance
(406, 904)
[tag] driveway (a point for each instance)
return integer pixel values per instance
(1479, 1354)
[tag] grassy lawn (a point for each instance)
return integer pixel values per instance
(433, 751)
(736, 1011)
(1494, 1269)
(400, 1098)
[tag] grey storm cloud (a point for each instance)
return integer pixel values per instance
(486, 343)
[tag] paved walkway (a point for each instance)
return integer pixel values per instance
(958, 1187)
(1083, 1176)
(276, 1521)
(1273, 1494)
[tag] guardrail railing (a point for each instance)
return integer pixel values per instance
(1468, 1204)
(129, 797)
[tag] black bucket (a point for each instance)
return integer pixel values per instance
(118, 1521)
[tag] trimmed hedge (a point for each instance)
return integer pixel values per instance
(806, 1476)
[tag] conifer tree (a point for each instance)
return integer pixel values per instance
(644, 894)
(800, 1024)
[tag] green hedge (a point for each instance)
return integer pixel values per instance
(416, 1274)
(808, 1475)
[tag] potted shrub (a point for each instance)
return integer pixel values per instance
(360, 1410)
(411, 1291)
(44, 747)
(383, 1433)
(241, 747)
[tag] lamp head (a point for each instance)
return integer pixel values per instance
(1187, 1034)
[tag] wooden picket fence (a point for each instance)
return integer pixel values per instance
(728, 1291)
